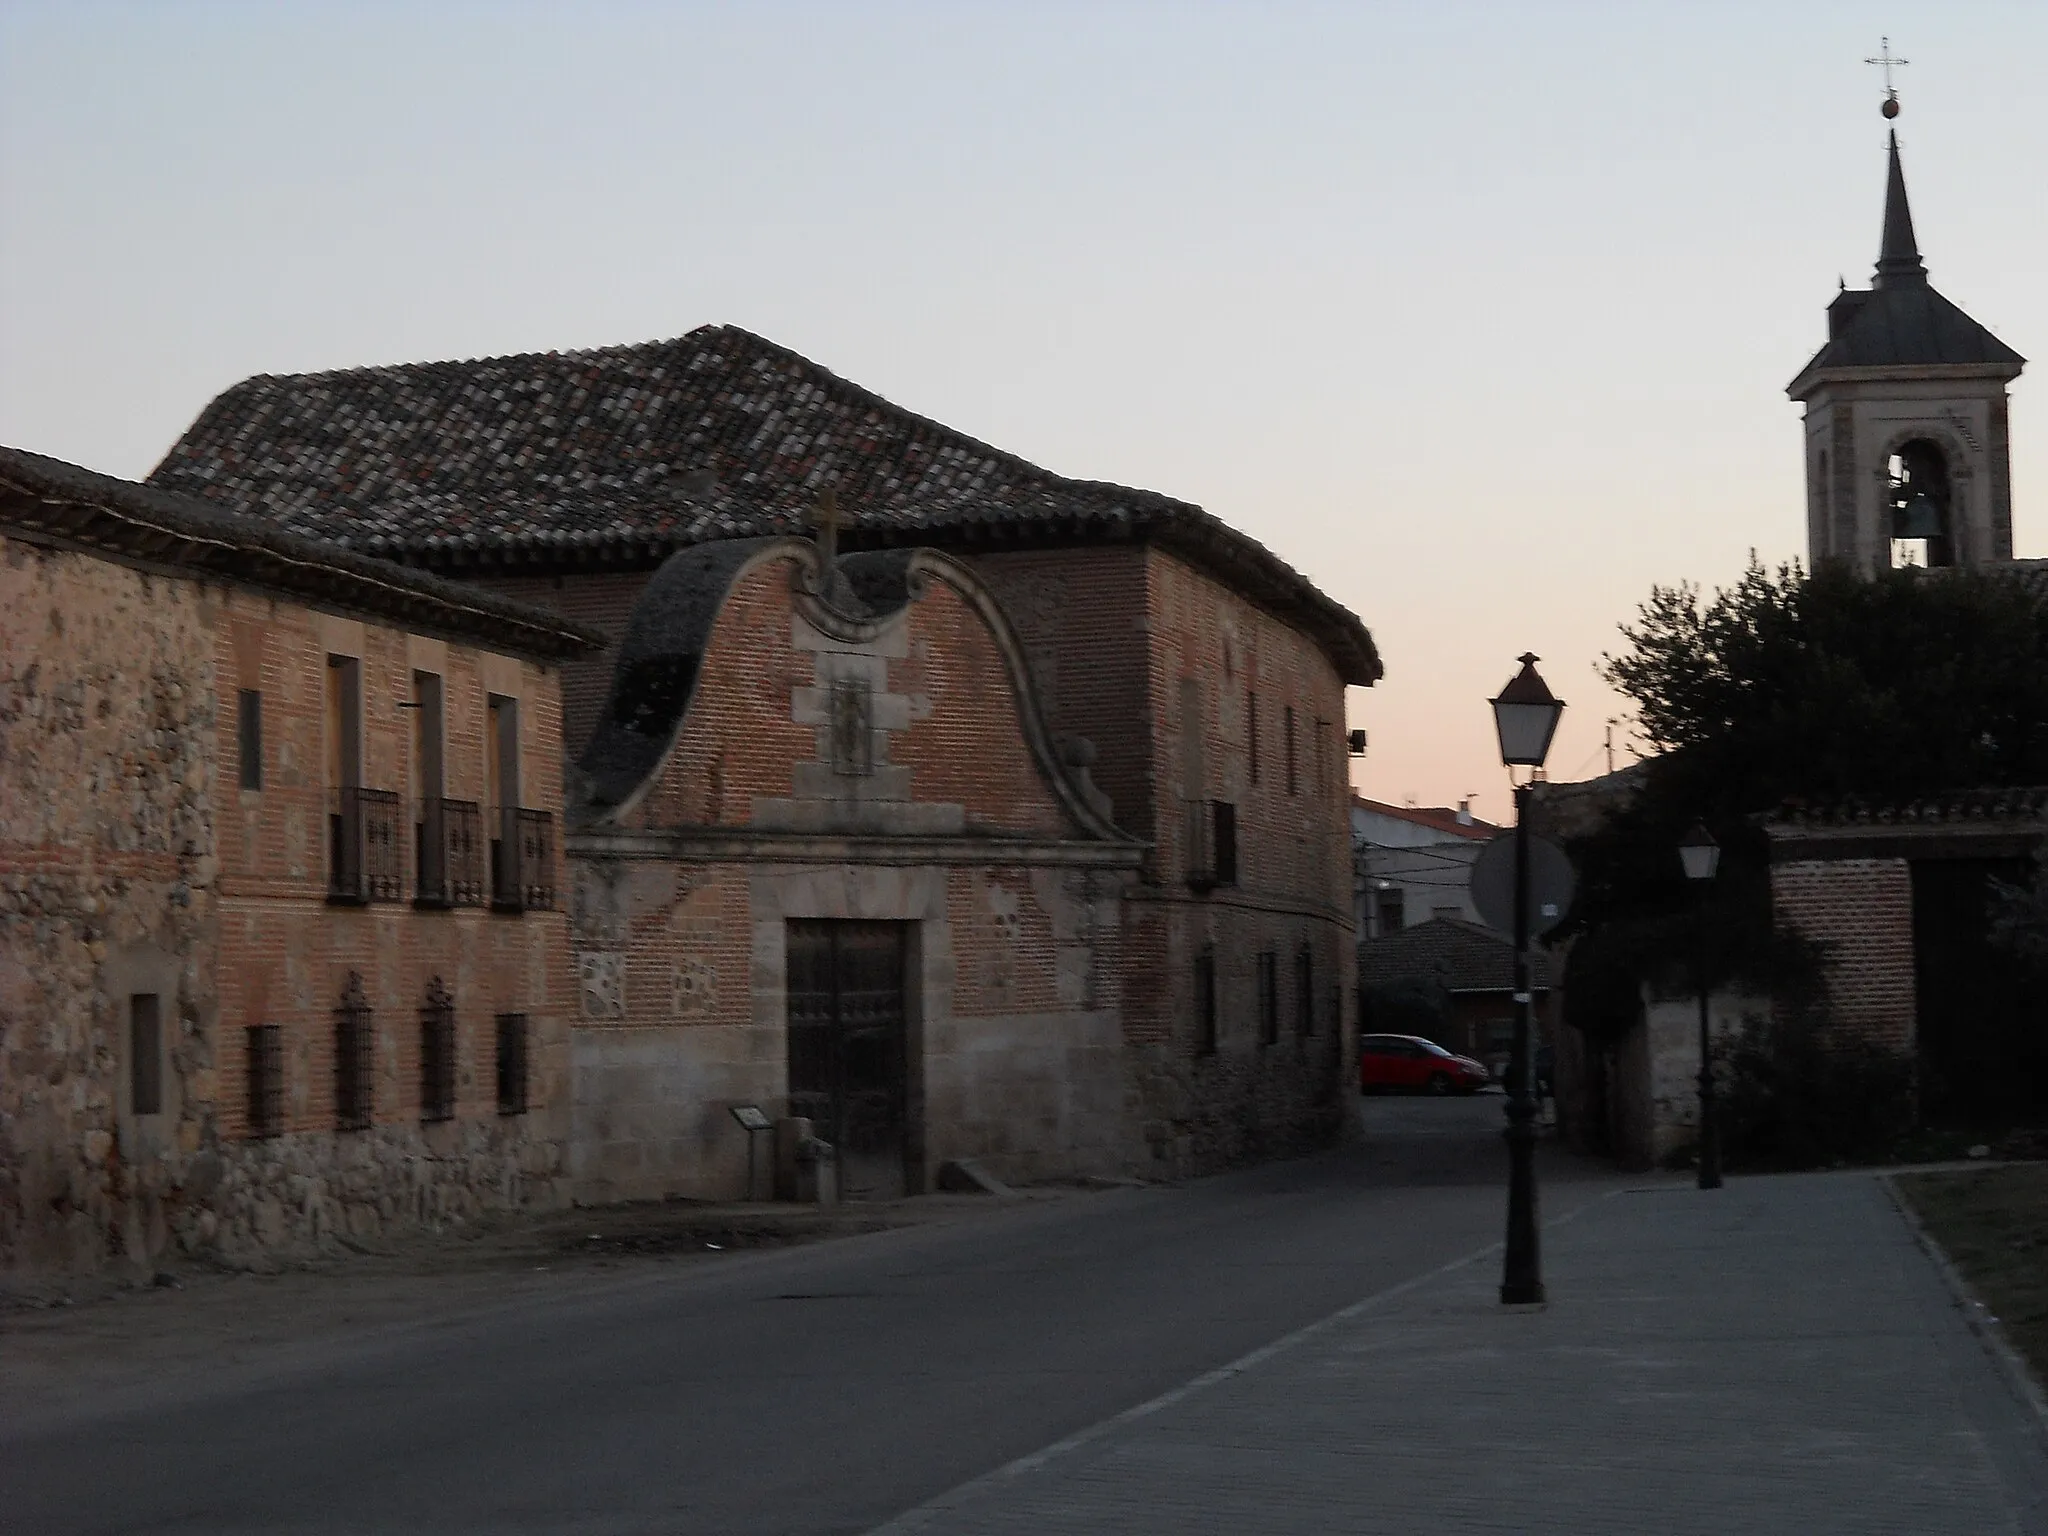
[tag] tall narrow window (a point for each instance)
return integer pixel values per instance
(1205, 1001)
(355, 1057)
(1305, 991)
(430, 815)
(501, 783)
(249, 736)
(511, 1063)
(437, 1053)
(145, 1055)
(265, 1050)
(1224, 844)
(345, 872)
(1269, 997)
(1287, 747)
(1251, 734)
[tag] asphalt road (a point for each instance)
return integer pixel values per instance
(815, 1390)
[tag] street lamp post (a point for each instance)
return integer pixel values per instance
(1525, 715)
(1701, 856)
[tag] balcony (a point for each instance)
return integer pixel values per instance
(522, 860)
(364, 861)
(448, 849)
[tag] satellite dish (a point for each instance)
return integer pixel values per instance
(1551, 884)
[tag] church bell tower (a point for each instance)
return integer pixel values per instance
(1907, 458)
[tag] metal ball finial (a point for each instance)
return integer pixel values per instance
(1890, 107)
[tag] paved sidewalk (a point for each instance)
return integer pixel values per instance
(1777, 1356)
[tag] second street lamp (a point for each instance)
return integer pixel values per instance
(1701, 856)
(1525, 715)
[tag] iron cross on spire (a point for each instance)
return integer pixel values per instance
(1888, 63)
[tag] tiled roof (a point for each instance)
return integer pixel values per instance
(44, 498)
(636, 451)
(1906, 326)
(1967, 807)
(1438, 818)
(1456, 955)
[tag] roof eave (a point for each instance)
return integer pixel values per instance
(1817, 374)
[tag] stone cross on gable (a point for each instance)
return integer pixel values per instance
(825, 519)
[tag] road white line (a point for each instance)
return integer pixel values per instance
(921, 1517)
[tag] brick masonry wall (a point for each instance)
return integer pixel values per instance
(738, 741)
(1863, 910)
(157, 872)
(599, 600)
(1082, 616)
(1207, 650)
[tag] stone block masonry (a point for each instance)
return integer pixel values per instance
(164, 891)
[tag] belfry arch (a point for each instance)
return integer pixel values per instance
(1907, 434)
(1921, 504)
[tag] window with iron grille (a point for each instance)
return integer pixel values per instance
(1305, 991)
(1269, 997)
(145, 1055)
(355, 1058)
(437, 1053)
(511, 1063)
(1205, 1001)
(249, 736)
(266, 1078)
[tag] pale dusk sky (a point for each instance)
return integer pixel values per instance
(1480, 315)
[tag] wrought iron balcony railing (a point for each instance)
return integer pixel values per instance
(448, 839)
(522, 859)
(364, 857)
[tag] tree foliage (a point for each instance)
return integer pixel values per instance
(1791, 688)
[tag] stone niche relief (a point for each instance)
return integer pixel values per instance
(853, 727)
(1006, 914)
(601, 984)
(597, 927)
(694, 984)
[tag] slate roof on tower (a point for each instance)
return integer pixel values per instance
(1900, 321)
(635, 451)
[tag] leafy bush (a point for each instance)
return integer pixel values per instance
(1793, 1098)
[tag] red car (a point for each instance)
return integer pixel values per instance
(1411, 1064)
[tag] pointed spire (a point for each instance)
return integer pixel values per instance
(1898, 263)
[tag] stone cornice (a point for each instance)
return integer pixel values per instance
(723, 845)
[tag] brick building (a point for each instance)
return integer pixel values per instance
(1901, 895)
(842, 865)
(1201, 676)
(280, 958)
(1470, 969)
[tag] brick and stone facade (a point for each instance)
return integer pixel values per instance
(174, 939)
(1205, 676)
(958, 820)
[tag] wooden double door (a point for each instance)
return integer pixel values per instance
(848, 1057)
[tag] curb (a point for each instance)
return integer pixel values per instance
(2011, 1364)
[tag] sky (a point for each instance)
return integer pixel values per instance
(1480, 315)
